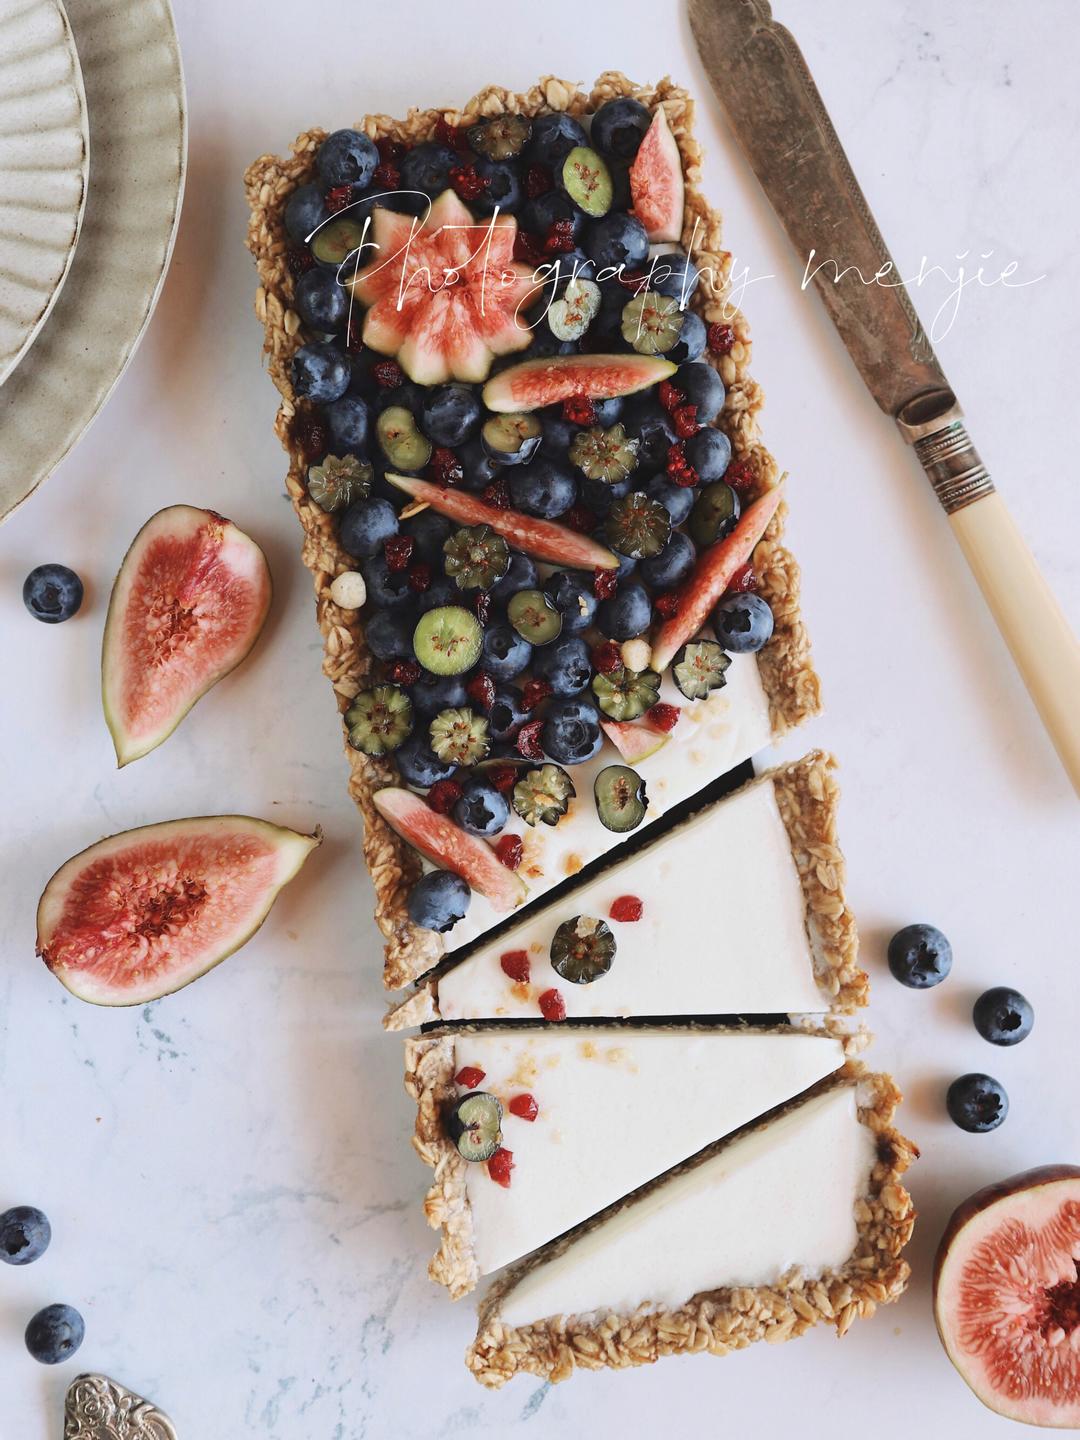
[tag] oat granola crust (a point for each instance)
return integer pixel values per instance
(430, 1066)
(807, 795)
(790, 682)
(719, 1321)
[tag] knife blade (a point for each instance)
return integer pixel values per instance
(766, 90)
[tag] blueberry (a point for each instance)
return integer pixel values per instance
(608, 320)
(599, 495)
(919, 956)
(609, 409)
(690, 345)
(427, 167)
(347, 158)
(553, 137)
(478, 466)
(521, 574)
(54, 1334)
(626, 615)
(506, 653)
(619, 170)
(429, 530)
(438, 900)
(482, 810)
(570, 265)
(386, 589)
(679, 499)
(673, 273)
(1003, 1016)
(349, 423)
(543, 488)
(366, 526)
(409, 395)
(441, 591)
(305, 211)
(321, 302)
(24, 1235)
(571, 732)
(417, 763)
(574, 600)
(389, 634)
(320, 373)
(709, 452)
(650, 425)
(702, 387)
(503, 188)
(564, 664)
(977, 1103)
(52, 593)
(433, 693)
(557, 436)
(543, 343)
(627, 565)
(672, 565)
(548, 209)
(617, 241)
(619, 127)
(450, 414)
(507, 714)
(743, 624)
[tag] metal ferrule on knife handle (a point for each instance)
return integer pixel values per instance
(946, 453)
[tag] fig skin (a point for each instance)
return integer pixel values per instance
(968, 1210)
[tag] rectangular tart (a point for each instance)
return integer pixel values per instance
(739, 910)
(578, 1129)
(766, 694)
(796, 1220)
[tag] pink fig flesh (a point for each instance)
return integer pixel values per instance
(532, 384)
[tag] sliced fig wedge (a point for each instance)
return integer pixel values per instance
(634, 742)
(543, 539)
(446, 844)
(144, 913)
(532, 384)
(657, 188)
(1007, 1295)
(712, 576)
(187, 606)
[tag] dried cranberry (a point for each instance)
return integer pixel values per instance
(503, 777)
(740, 476)
(538, 181)
(354, 331)
(607, 657)
(398, 551)
(579, 410)
(420, 577)
(404, 672)
(579, 518)
(470, 1076)
(338, 197)
(299, 259)
(481, 688)
(671, 397)
(468, 182)
(552, 1005)
(604, 582)
(497, 494)
(720, 339)
(482, 606)
(626, 908)
(386, 177)
(444, 467)
(500, 1165)
(685, 421)
(632, 280)
(743, 580)
(559, 239)
(443, 796)
(662, 717)
(524, 1107)
(515, 965)
(509, 851)
(533, 693)
(390, 151)
(528, 249)
(388, 374)
(447, 134)
(679, 469)
(310, 435)
(528, 740)
(667, 605)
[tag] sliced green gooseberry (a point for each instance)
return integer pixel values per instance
(621, 801)
(337, 481)
(474, 1124)
(571, 314)
(475, 556)
(459, 736)
(652, 323)
(511, 439)
(587, 180)
(500, 138)
(543, 795)
(535, 616)
(582, 949)
(607, 455)
(448, 640)
(714, 513)
(626, 694)
(401, 440)
(638, 526)
(335, 241)
(699, 668)
(379, 720)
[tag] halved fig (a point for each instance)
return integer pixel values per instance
(1007, 1295)
(543, 539)
(448, 845)
(187, 606)
(144, 913)
(532, 384)
(656, 182)
(711, 577)
(633, 742)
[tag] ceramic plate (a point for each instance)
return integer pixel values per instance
(138, 143)
(44, 161)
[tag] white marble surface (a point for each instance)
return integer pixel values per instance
(236, 1208)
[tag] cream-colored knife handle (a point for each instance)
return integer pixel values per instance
(1043, 647)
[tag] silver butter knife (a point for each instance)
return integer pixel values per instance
(98, 1408)
(770, 99)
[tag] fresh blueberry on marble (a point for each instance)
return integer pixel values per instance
(919, 956)
(52, 593)
(1003, 1016)
(977, 1103)
(25, 1233)
(54, 1334)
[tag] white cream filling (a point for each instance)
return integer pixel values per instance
(616, 1108)
(712, 736)
(723, 931)
(778, 1198)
